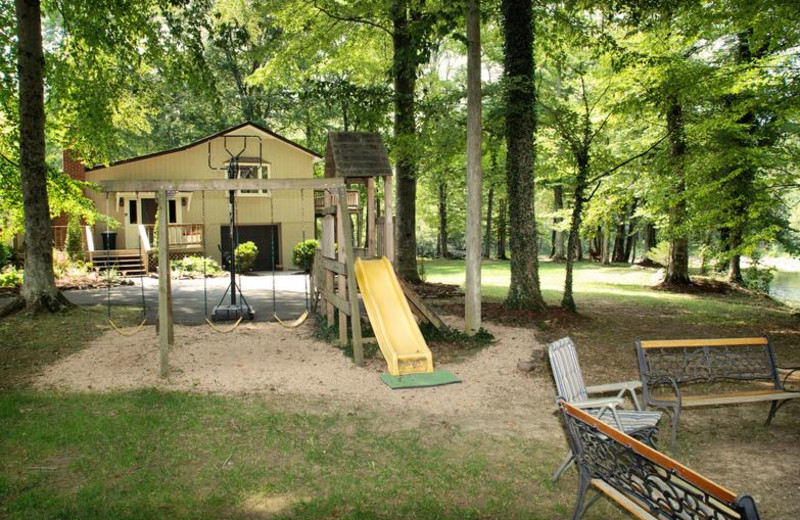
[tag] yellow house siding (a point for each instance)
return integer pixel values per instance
(285, 161)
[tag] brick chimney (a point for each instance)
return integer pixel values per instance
(73, 166)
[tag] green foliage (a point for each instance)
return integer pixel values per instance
(303, 254)
(195, 267)
(10, 276)
(480, 339)
(245, 255)
(73, 243)
(6, 255)
(757, 278)
(660, 253)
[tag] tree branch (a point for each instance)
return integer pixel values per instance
(9, 161)
(630, 159)
(352, 19)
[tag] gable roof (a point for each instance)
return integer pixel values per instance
(356, 154)
(205, 140)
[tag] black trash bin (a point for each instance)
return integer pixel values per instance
(109, 240)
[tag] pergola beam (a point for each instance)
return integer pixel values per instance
(220, 184)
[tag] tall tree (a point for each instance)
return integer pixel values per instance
(472, 307)
(520, 96)
(39, 289)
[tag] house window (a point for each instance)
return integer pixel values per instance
(253, 171)
(133, 212)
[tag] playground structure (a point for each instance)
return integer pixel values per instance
(352, 158)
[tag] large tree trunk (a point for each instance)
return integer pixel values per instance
(558, 235)
(502, 211)
(38, 290)
(487, 245)
(472, 285)
(678, 266)
(649, 237)
(443, 252)
(520, 130)
(405, 81)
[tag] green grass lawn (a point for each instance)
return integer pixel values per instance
(149, 454)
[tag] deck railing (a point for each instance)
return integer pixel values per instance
(181, 236)
(353, 199)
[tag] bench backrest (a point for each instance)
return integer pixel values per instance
(567, 371)
(659, 484)
(706, 360)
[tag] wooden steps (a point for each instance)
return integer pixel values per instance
(127, 262)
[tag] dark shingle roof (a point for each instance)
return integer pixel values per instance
(356, 154)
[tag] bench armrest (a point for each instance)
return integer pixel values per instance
(599, 402)
(614, 387)
(791, 370)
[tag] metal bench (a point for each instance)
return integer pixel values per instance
(571, 387)
(675, 364)
(645, 482)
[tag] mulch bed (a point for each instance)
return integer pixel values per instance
(498, 313)
(437, 290)
(702, 286)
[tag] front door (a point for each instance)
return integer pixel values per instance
(143, 211)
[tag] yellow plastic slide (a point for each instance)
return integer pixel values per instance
(397, 332)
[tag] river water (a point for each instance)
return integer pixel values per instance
(786, 287)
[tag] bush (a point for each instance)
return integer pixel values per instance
(758, 279)
(6, 254)
(303, 254)
(73, 243)
(246, 255)
(660, 253)
(11, 277)
(195, 266)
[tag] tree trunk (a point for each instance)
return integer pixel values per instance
(501, 229)
(487, 245)
(649, 237)
(405, 81)
(573, 242)
(558, 235)
(579, 249)
(39, 289)
(678, 266)
(443, 221)
(520, 130)
(472, 285)
(618, 255)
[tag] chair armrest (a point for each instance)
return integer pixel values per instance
(598, 403)
(614, 387)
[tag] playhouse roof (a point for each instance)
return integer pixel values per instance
(356, 155)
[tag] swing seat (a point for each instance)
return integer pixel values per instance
(292, 324)
(122, 332)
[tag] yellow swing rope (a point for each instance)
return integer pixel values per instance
(224, 331)
(121, 332)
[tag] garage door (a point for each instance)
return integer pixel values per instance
(262, 237)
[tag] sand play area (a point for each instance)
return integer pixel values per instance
(265, 358)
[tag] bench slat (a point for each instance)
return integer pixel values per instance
(623, 500)
(718, 342)
(733, 398)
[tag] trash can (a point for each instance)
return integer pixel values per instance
(109, 240)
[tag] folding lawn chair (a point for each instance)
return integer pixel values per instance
(569, 382)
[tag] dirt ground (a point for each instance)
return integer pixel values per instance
(265, 358)
(728, 444)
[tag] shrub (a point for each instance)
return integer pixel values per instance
(195, 266)
(5, 255)
(11, 277)
(73, 243)
(758, 279)
(303, 254)
(246, 255)
(660, 253)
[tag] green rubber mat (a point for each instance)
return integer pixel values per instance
(435, 378)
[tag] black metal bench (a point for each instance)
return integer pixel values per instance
(675, 364)
(645, 482)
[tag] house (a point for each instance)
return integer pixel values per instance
(199, 221)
